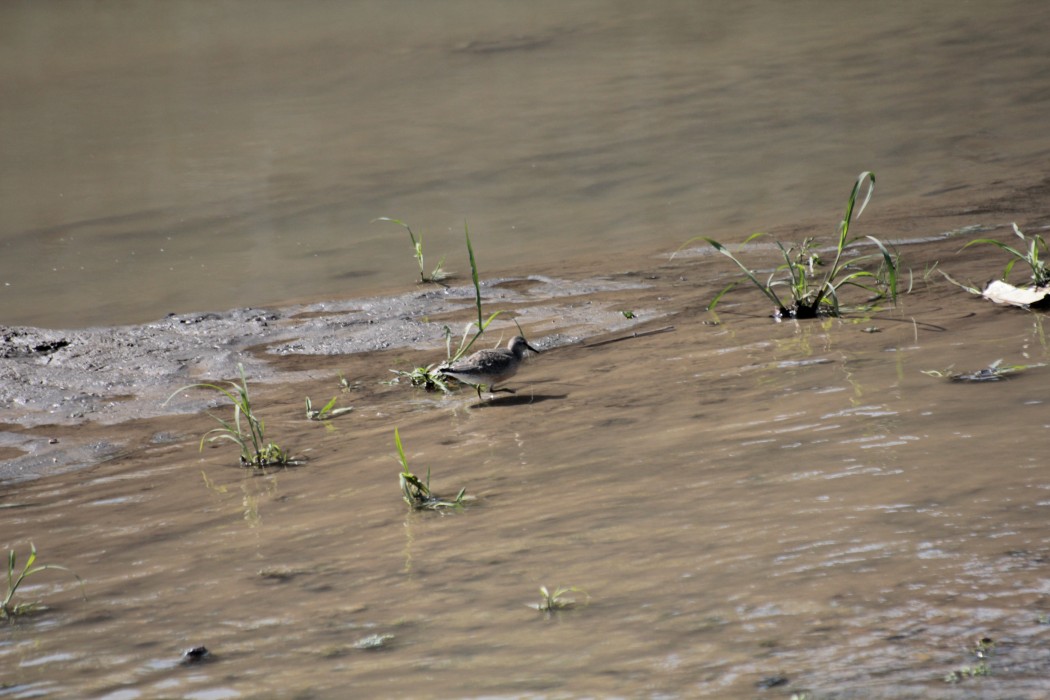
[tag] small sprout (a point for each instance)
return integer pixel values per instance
(416, 492)
(7, 608)
(871, 329)
(982, 649)
(557, 599)
(344, 383)
(327, 412)
(964, 672)
(628, 314)
(438, 273)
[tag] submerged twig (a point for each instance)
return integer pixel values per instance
(637, 334)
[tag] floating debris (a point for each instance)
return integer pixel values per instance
(992, 373)
(373, 641)
(1025, 297)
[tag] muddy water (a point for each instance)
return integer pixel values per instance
(179, 158)
(741, 503)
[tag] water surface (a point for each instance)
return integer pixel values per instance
(180, 157)
(740, 502)
(748, 508)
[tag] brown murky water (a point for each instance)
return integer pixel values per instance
(741, 501)
(180, 158)
(744, 503)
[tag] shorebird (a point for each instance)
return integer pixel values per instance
(487, 368)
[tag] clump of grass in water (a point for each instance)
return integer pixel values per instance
(438, 274)
(329, 410)
(813, 294)
(416, 492)
(1030, 256)
(430, 377)
(426, 378)
(557, 599)
(256, 451)
(982, 649)
(9, 609)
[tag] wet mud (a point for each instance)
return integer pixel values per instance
(750, 508)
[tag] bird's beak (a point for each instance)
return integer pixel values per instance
(532, 348)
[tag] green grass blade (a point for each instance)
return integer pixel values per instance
(684, 245)
(400, 450)
(747, 273)
(718, 297)
(213, 387)
(891, 267)
(998, 244)
(1009, 268)
(473, 272)
(12, 560)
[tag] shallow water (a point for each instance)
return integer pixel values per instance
(185, 158)
(739, 501)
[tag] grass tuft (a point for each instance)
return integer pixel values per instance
(810, 293)
(1029, 255)
(329, 410)
(8, 609)
(427, 378)
(416, 492)
(557, 599)
(256, 451)
(438, 274)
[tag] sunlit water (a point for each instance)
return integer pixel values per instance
(175, 157)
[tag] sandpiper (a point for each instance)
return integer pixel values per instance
(487, 368)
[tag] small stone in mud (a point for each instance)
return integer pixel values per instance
(772, 681)
(195, 654)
